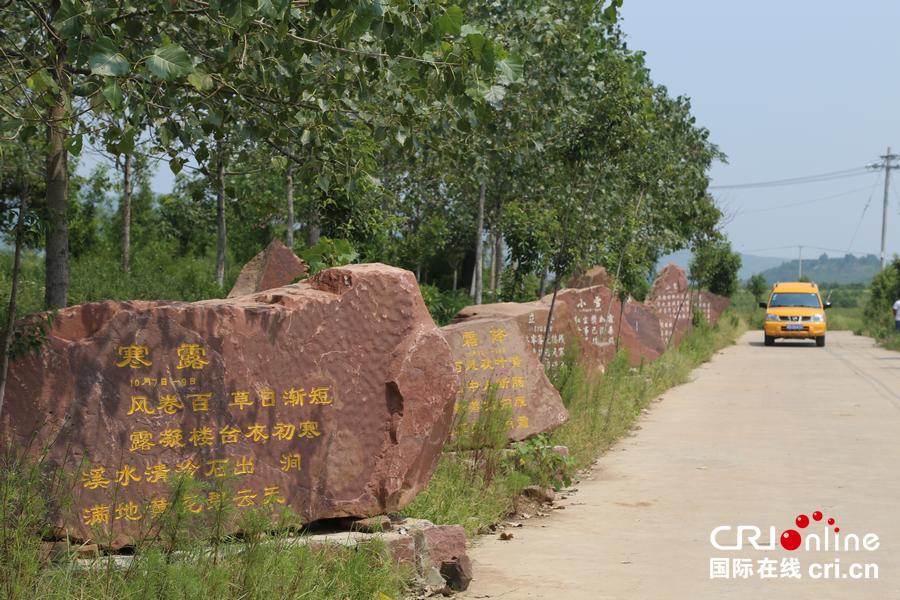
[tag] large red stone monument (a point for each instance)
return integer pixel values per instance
(494, 362)
(333, 396)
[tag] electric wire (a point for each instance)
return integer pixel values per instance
(797, 180)
(747, 212)
(869, 201)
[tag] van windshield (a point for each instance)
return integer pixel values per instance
(795, 299)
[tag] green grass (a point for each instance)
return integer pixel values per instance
(180, 555)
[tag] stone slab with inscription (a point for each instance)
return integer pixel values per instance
(711, 305)
(668, 296)
(274, 267)
(634, 326)
(596, 275)
(493, 352)
(532, 320)
(333, 396)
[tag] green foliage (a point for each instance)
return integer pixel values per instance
(443, 306)
(328, 253)
(715, 267)
(885, 290)
(757, 286)
(536, 459)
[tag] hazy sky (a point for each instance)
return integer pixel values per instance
(788, 89)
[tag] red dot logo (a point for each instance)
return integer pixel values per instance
(802, 521)
(831, 521)
(817, 516)
(790, 540)
(837, 529)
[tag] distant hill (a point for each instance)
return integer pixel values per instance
(848, 269)
(750, 264)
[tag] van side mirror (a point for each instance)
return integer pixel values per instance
(763, 305)
(827, 305)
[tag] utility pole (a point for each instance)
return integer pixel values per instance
(800, 270)
(886, 165)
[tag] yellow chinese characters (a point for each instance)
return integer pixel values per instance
(130, 511)
(171, 438)
(141, 440)
(169, 404)
(284, 431)
(201, 437)
(127, 475)
(188, 466)
(244, 466)
(516, 361)
(244, 498)
(470, 339)
(497, 336)
(191, 355)
(216, 467)
(271, 495)
(267, 397)
(309, 429)
(241, 399)
(319, 396)
(199, 401)
(134, 356)
(229, 435)
(157, 473)
(99, 513)
(96, 478)
(257, 432)
(139, 404)
(293, 397)
(290, 461)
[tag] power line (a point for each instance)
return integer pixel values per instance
(805, 246)
(747, 212)
(869, 201)
(795, 181)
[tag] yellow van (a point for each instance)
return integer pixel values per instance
(795, 310)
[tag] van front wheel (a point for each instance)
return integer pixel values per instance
(820, 341)
(770, 340)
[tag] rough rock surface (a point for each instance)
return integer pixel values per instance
(669, 297)
(274, 267)
(594, 276)
(494, 352)
(711, 305)
(532, 320)
(597, 311)
(333, 396)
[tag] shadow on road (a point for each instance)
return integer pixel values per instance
(791, 344)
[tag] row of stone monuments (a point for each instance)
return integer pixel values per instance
(334, 395)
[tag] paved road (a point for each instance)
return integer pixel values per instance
(761, 436)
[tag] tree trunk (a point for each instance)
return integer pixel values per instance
(126, 215)
(498, 260)
(479, 245)
(312, 226)
(220, 216)
(13, 297)
(289, 193)
(56, 263)
(544, 275)
(454, 278)
(492, 242)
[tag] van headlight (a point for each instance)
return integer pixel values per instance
(771, 317)
(818, 318)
